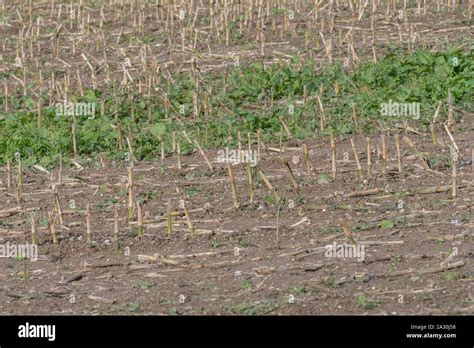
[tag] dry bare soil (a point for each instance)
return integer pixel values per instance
(408, 223)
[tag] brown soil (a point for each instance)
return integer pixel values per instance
(259, 277)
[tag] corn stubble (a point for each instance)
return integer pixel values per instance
(224, 24)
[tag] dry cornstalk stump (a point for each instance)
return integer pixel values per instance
(333, 156)
(169, 220)
(139, 221)
(294, 183)
(130, 201)
(399, 154)
(250, 183)
(309, 164)
(269, 186)
(188, 218)
(369, 158)
(34, 237)
(116, 223)
(52, 227)
(235, 200)
(356, 158)
(88, 224)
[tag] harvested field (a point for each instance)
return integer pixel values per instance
(237, 157)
